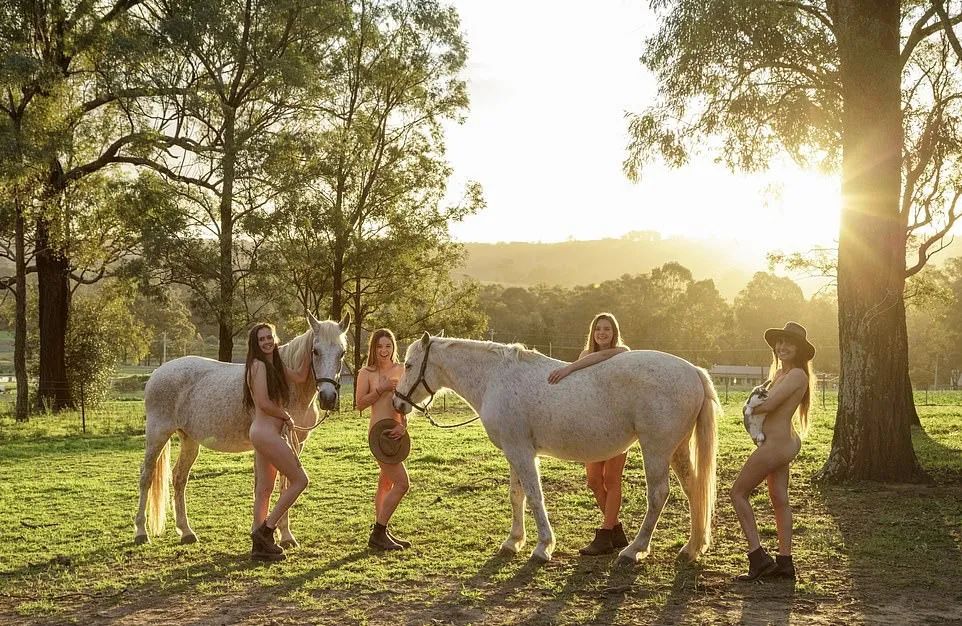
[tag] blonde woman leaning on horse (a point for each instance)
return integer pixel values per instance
(267, 394)
(375, 388)
(790, 393)
(604, 477)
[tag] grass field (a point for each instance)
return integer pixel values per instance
(866, 553)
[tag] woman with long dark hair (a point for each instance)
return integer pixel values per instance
(790, 394)
(266, 395)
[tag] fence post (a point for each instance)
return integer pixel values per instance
(83, 409)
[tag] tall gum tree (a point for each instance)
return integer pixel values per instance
(868, 89)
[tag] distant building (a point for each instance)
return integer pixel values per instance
(747, 375)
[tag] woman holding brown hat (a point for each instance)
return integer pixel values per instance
(387, 434)
(790, 394)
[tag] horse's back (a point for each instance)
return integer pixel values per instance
(202, 398)
(598, 411)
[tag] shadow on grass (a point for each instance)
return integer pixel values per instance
(904, 542)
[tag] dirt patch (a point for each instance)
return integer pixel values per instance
(715, 599)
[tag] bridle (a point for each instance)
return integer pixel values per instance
(420, 381)
(317, 383)
(336, 382)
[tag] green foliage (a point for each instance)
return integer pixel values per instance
(101, 331)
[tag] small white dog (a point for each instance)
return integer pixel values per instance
(753, 423)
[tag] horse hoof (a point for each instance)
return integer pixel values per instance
(140, 540)
(540, 557)
(289, 543)
(187, 539)
(625, 561)
(509, 548)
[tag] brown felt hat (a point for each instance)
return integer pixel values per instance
(794, 332)
(385, 449)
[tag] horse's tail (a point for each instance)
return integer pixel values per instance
(705, 454)
(159, 492)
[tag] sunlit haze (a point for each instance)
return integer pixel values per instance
(550, 84)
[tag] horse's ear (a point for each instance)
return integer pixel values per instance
(766, 383)
(441, 334)
(425, 338)
(315, 323)
(345, 322)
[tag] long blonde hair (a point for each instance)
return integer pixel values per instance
(591, 345)
(806, 403)
(372, 347)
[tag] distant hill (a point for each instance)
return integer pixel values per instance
(572, 263)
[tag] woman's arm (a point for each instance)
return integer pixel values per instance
(792, 382)
(367, 391)
(258, 382)
(299, 376)
(585, 360)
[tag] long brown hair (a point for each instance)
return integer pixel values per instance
(591, 345)
(806, 403)
(372, 346)
(277, 389)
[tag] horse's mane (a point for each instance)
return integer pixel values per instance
(508, 351)
(292, 352)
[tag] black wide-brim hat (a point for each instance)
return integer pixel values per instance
(384, 448)
(794, 332)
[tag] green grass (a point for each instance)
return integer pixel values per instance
(68, 499)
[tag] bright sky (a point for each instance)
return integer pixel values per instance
(550, 83)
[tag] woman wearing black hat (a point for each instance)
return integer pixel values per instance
(387, 434)
(790, 393)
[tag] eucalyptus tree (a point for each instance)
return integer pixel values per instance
(73, 75)
(250, 62)
(867, 89)
(365, 173)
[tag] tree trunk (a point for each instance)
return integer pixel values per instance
(358, 330)
(20, 323)
(53, 302)
(872, 439)
(225, 316)
(337, 282)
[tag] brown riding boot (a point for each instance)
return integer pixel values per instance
(784, 568)
(401, 542)
(618, 538)
(263, 546)
(601, 544)
(379, 539)
(759, 564)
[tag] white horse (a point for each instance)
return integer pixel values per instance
(664, 402)
(202, 400)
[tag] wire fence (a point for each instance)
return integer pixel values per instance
(123, 412)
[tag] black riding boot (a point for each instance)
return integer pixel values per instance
(601, 544)
(759, 564)
(784, 568)
(618, 538)
(379, 539)
(263, 546)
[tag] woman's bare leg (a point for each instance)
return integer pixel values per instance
(397, 474)
(613, 470)
(595, 473)
(274, 450)
(265, 475)
(762, 462)
(384, 485)
(778, 493)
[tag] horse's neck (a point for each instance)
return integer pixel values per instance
(469, 370)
